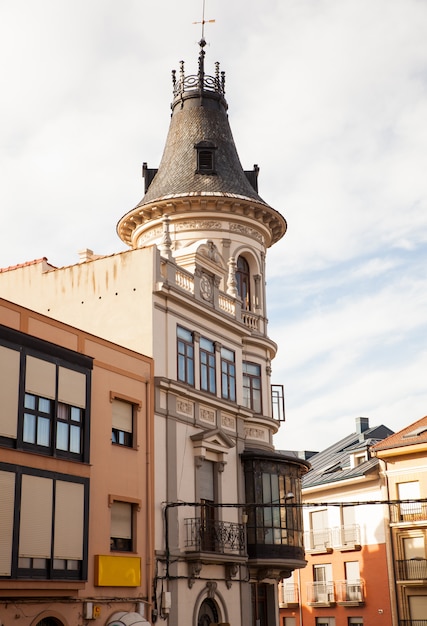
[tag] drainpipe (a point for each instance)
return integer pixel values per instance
(301, 619)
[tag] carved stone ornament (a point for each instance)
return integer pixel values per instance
(211, 587)
(206, 287)
(194, 572)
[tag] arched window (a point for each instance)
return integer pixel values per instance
(49, 621)
(243, 282)
(208, 613)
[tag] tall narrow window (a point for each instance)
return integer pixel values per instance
(121, 526)
(228, 375)
(185, 356)
(252, 386)
(207, 365)
(122, 430)
(207, 510)
(243, 282)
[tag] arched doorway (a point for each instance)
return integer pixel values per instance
(208, 613)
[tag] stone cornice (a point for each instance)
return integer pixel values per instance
(220, 211)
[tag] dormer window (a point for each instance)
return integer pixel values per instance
(205, 157)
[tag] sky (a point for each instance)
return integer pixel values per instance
(328, 97)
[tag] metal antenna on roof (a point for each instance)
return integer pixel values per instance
(203, 22)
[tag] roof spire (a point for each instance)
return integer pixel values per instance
(203, 22)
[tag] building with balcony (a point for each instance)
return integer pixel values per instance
(403, 462)
(190, 292)
(346, 578)
(76, 475)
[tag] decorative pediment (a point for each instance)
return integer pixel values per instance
(202, 255)
(212, 445)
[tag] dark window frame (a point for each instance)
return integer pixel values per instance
(49, 572)
(243, 280)
(207, 358)
(252, 386)
(29, 346)
(228, 375)
(185, 353)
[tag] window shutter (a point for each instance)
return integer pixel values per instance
(72, 387)
(122, 415)
(40, 377)
(7, 501)
(35, 531)
(69, 520)
(9, 391)
(206, 481)
(121, 520)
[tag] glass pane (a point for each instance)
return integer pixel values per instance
(62, 436)
(75, 439)
(76, 414)
(206, 344)
(29, 428)
(183, 333)
(43, 431)
(29, 401)
(44, 405)
(227, 354)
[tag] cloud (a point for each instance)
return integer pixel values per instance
(328, 97)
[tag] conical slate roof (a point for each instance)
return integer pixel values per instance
(199, 120)
(200, 166)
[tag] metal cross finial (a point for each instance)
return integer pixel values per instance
(203, 22)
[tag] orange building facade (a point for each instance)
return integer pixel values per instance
(76, 475)
(345, 582)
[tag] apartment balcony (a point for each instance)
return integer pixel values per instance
(318, 541)
(321, 594)
(346, 537)
(413, 622)
(408, 512)
(288, 596)
(412, 569)
(226, 539)
(324, 541)
(350, 593)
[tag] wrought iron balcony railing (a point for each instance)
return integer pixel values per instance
(408, 512)
(413, 622)
(321, 593)
(412, 569)
(350, 592)
(215, 536)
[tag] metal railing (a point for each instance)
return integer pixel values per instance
(346, 535)
(413, 622)
(408, 512)
(215, 536)
(412, 569)
(327, 538)
(318, 539)
(321, 593)
(350, 591)
(288, 594)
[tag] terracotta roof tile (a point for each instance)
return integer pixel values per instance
(413, 434)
